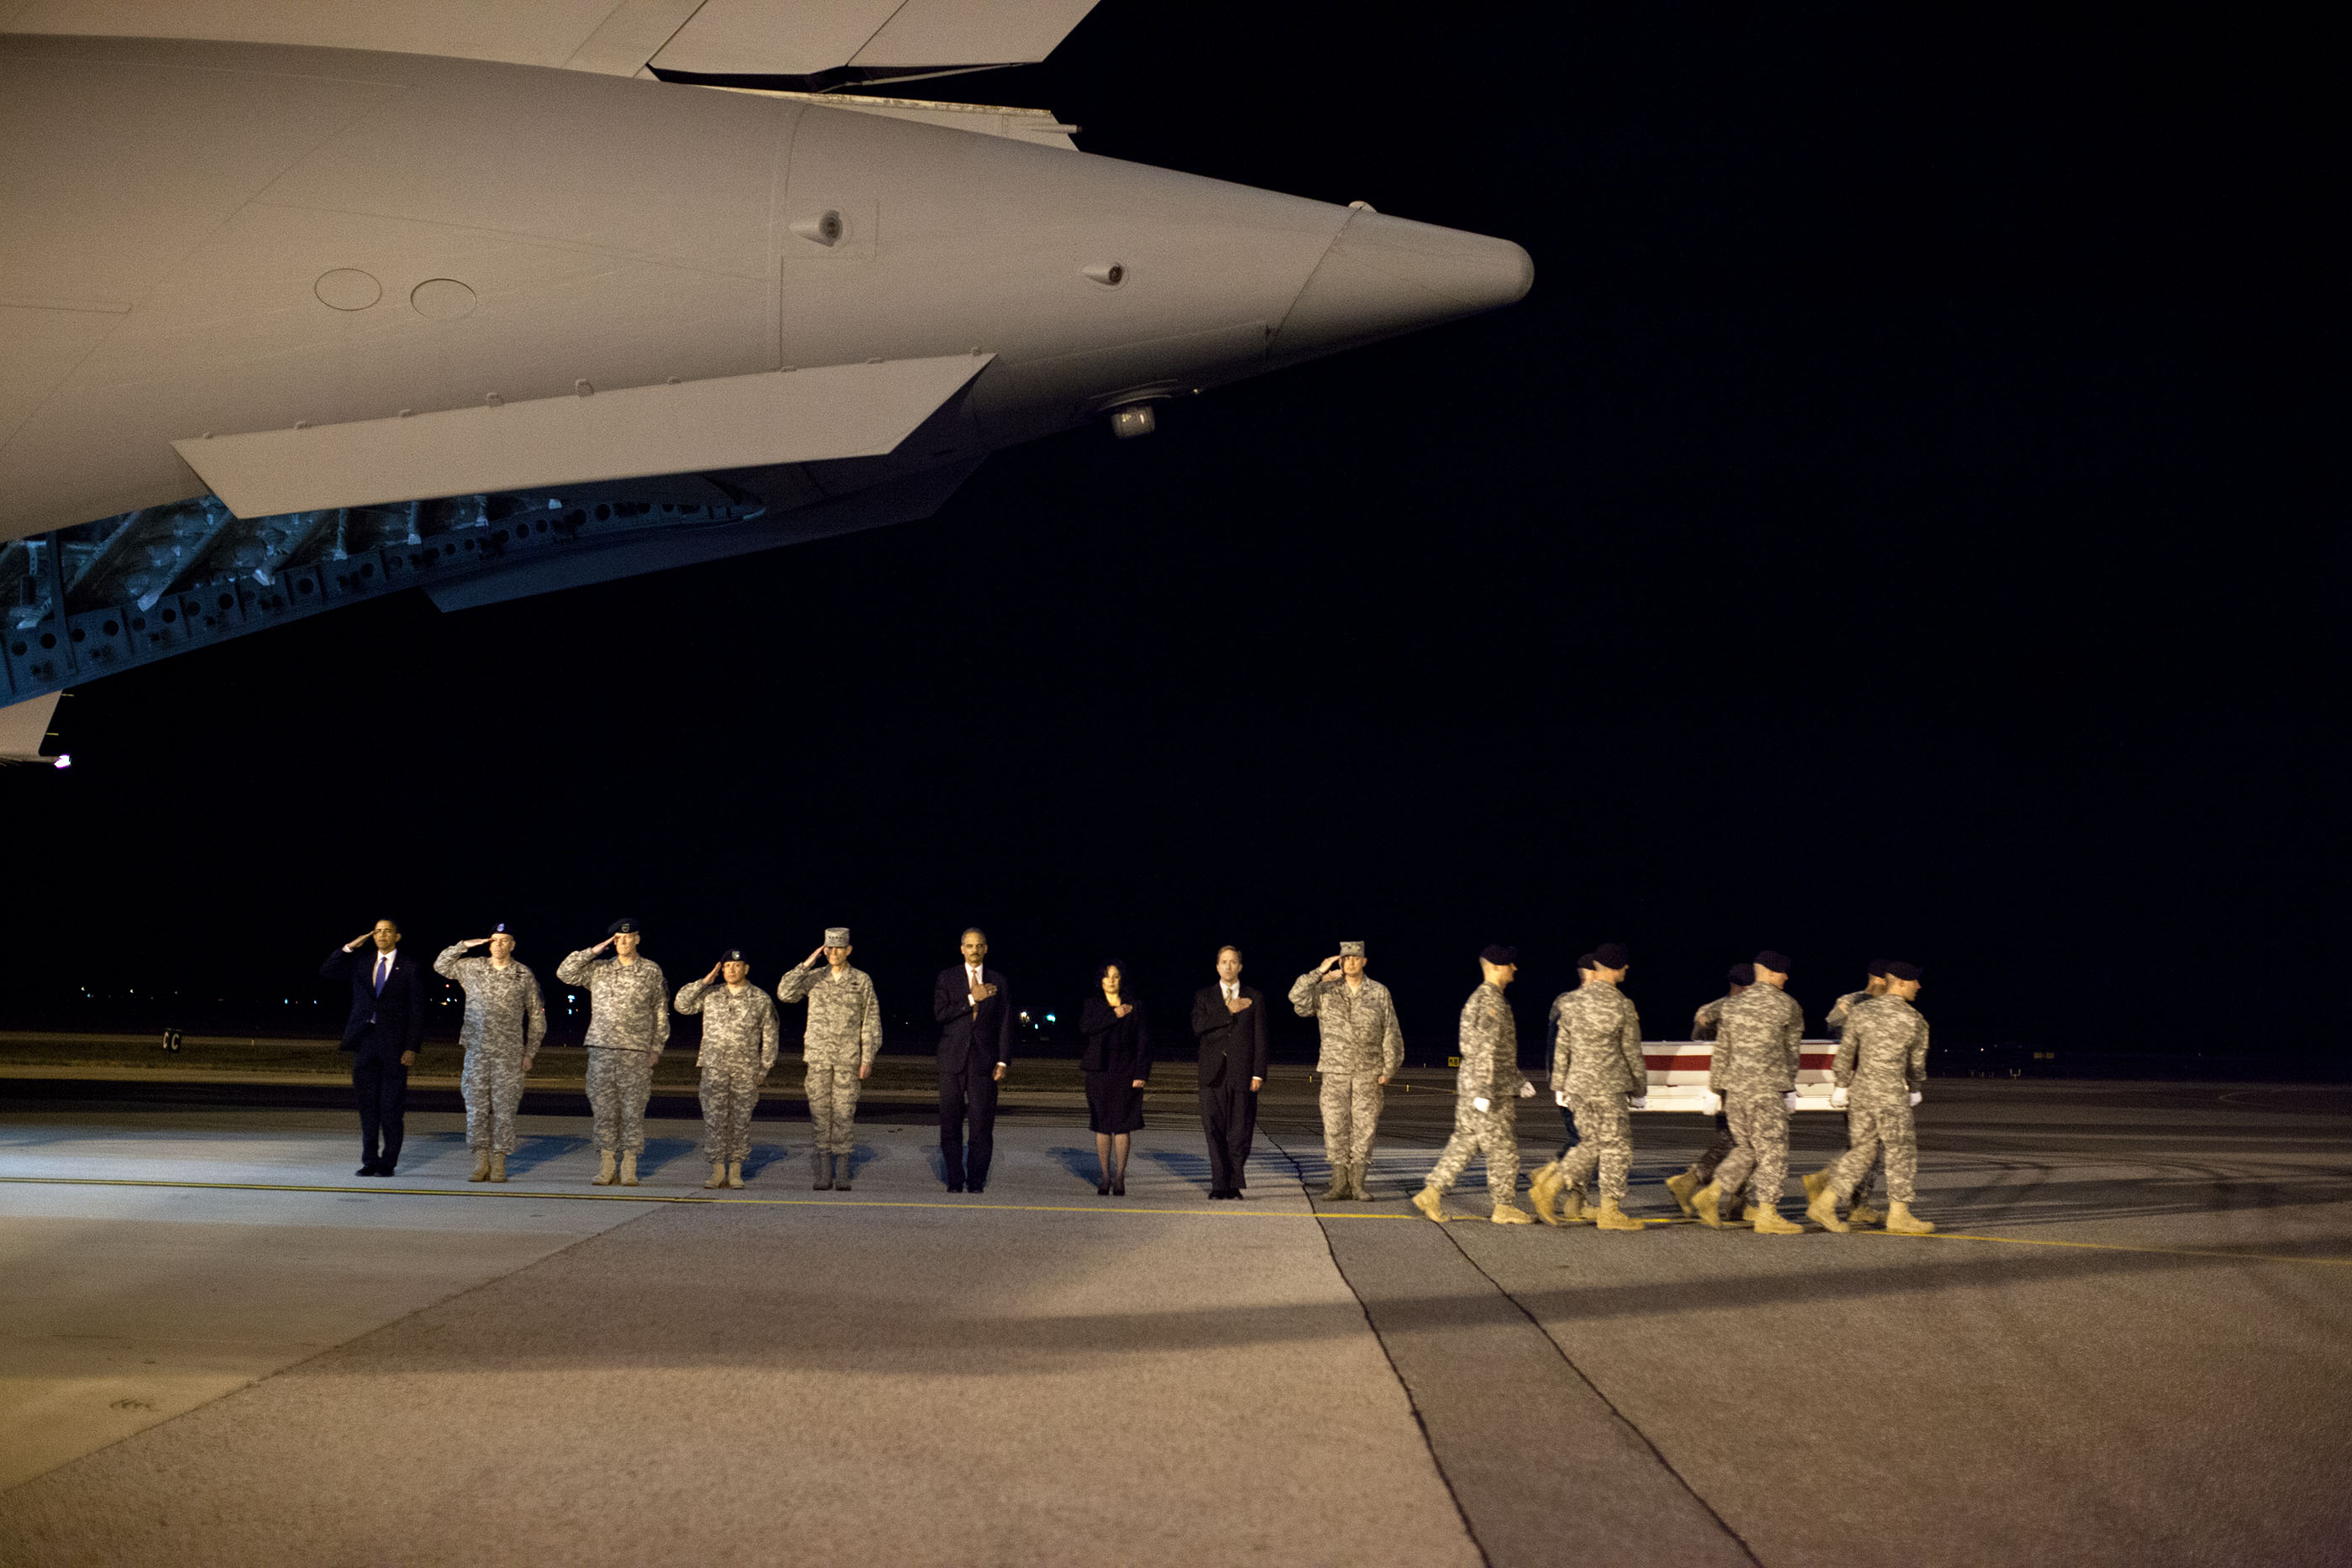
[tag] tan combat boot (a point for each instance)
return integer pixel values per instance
(734, 1173)
(1820, 1207)
(498, 1167)
(1337, 1191)
(1702, 1206)
(1612, 1218)
(1747, 1213)
(718, 1174)
(1509, 1212)
(1863, 1216)
(1769, 1223)
(481, 1165)
(1431, 1203)
(1682, 1186)
(628, 1170)
(1356, 1185)
(841, 1173)
(604, 1163)
(1542, 1188)
(1571, 1207)
(1901, 1222)
(1814, 1181)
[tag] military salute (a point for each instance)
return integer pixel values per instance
(628, 1024)
(1596, 1068)
(1362, 1049)
(1488, 1086)
(845, 1035)
(739, 1046)
(506, 1019)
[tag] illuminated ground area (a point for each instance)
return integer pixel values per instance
(253, 1373)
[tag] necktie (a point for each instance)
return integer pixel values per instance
(383, 967)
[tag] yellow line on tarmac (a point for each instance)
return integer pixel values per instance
(487, 1191)
(2119, 1246)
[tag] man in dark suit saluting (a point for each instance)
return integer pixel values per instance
(975, 1019)
(1230, 1019)
(386, 1023)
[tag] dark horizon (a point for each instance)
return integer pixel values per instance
(1856, 545)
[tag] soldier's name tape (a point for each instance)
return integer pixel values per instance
(1104, 1211)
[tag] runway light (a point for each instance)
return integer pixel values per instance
(65, 760)
(1049, 1018)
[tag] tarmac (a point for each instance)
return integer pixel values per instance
(2127, 1345)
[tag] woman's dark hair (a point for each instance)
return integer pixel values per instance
(1103, 969)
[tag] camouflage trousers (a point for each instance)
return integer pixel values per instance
(1351, 1112)
(831, 1088)
(1493, 1134)
(1760, 1145)
(1604, 1136)
(728, 1093)
(492, 1083)
(1869, 1129)
(1861, 1193)
(620, 1082)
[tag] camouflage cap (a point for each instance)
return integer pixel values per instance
(1351, 949)
(836, 936)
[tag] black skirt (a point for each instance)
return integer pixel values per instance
(1113, 1102)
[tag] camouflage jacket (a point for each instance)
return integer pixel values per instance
(844, 1021)
(1841, 1009)
(739, 1028)
(1882, 1055)
(1359, 1024)
(1490, 1051)
(629, 1004)
(1756, 1042)
(1708, 1019)
(504, 1010)
(1597, 1047)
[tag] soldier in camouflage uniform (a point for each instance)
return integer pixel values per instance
(1362, 1049)
(1881, 1072)
(739, 1046)
(1755, 1070)
(1488, 1084)
(1596, 1068)
(506, 1019)
(845, 1035)
(628, 1024)
(1839, 1010)
(1704, 1025)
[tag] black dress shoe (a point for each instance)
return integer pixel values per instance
(955, 1186)
(1119, 1188)
(364, 1170)
(977, 1187)
(1102, 1190)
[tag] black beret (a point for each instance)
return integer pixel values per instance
(1877, 967)
(1585, 962)
(1611, 956)
(1496, 953)
(733, 955)
(500, 930)
(1741, 974)
(1897, 970)
(622, 923)
(1769, 959)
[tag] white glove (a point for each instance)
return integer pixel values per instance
(1914, 1096)
(1526, 1089)
(1714, 1102)
(1837, 1099)
(1482, 1104)
(1637, 1102)
(1790, 1099)
(1560, 1098)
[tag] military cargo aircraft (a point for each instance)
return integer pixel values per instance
(302, 302)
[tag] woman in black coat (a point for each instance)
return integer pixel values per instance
(1117, 1063)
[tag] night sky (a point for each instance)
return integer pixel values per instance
(1862, 542)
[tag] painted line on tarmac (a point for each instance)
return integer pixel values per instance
(687, 1198)
(1079, 1209)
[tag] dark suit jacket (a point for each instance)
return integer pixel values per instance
(967, 1034)
(398, 1012)
(1119, 1045)
(1236, 1040)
